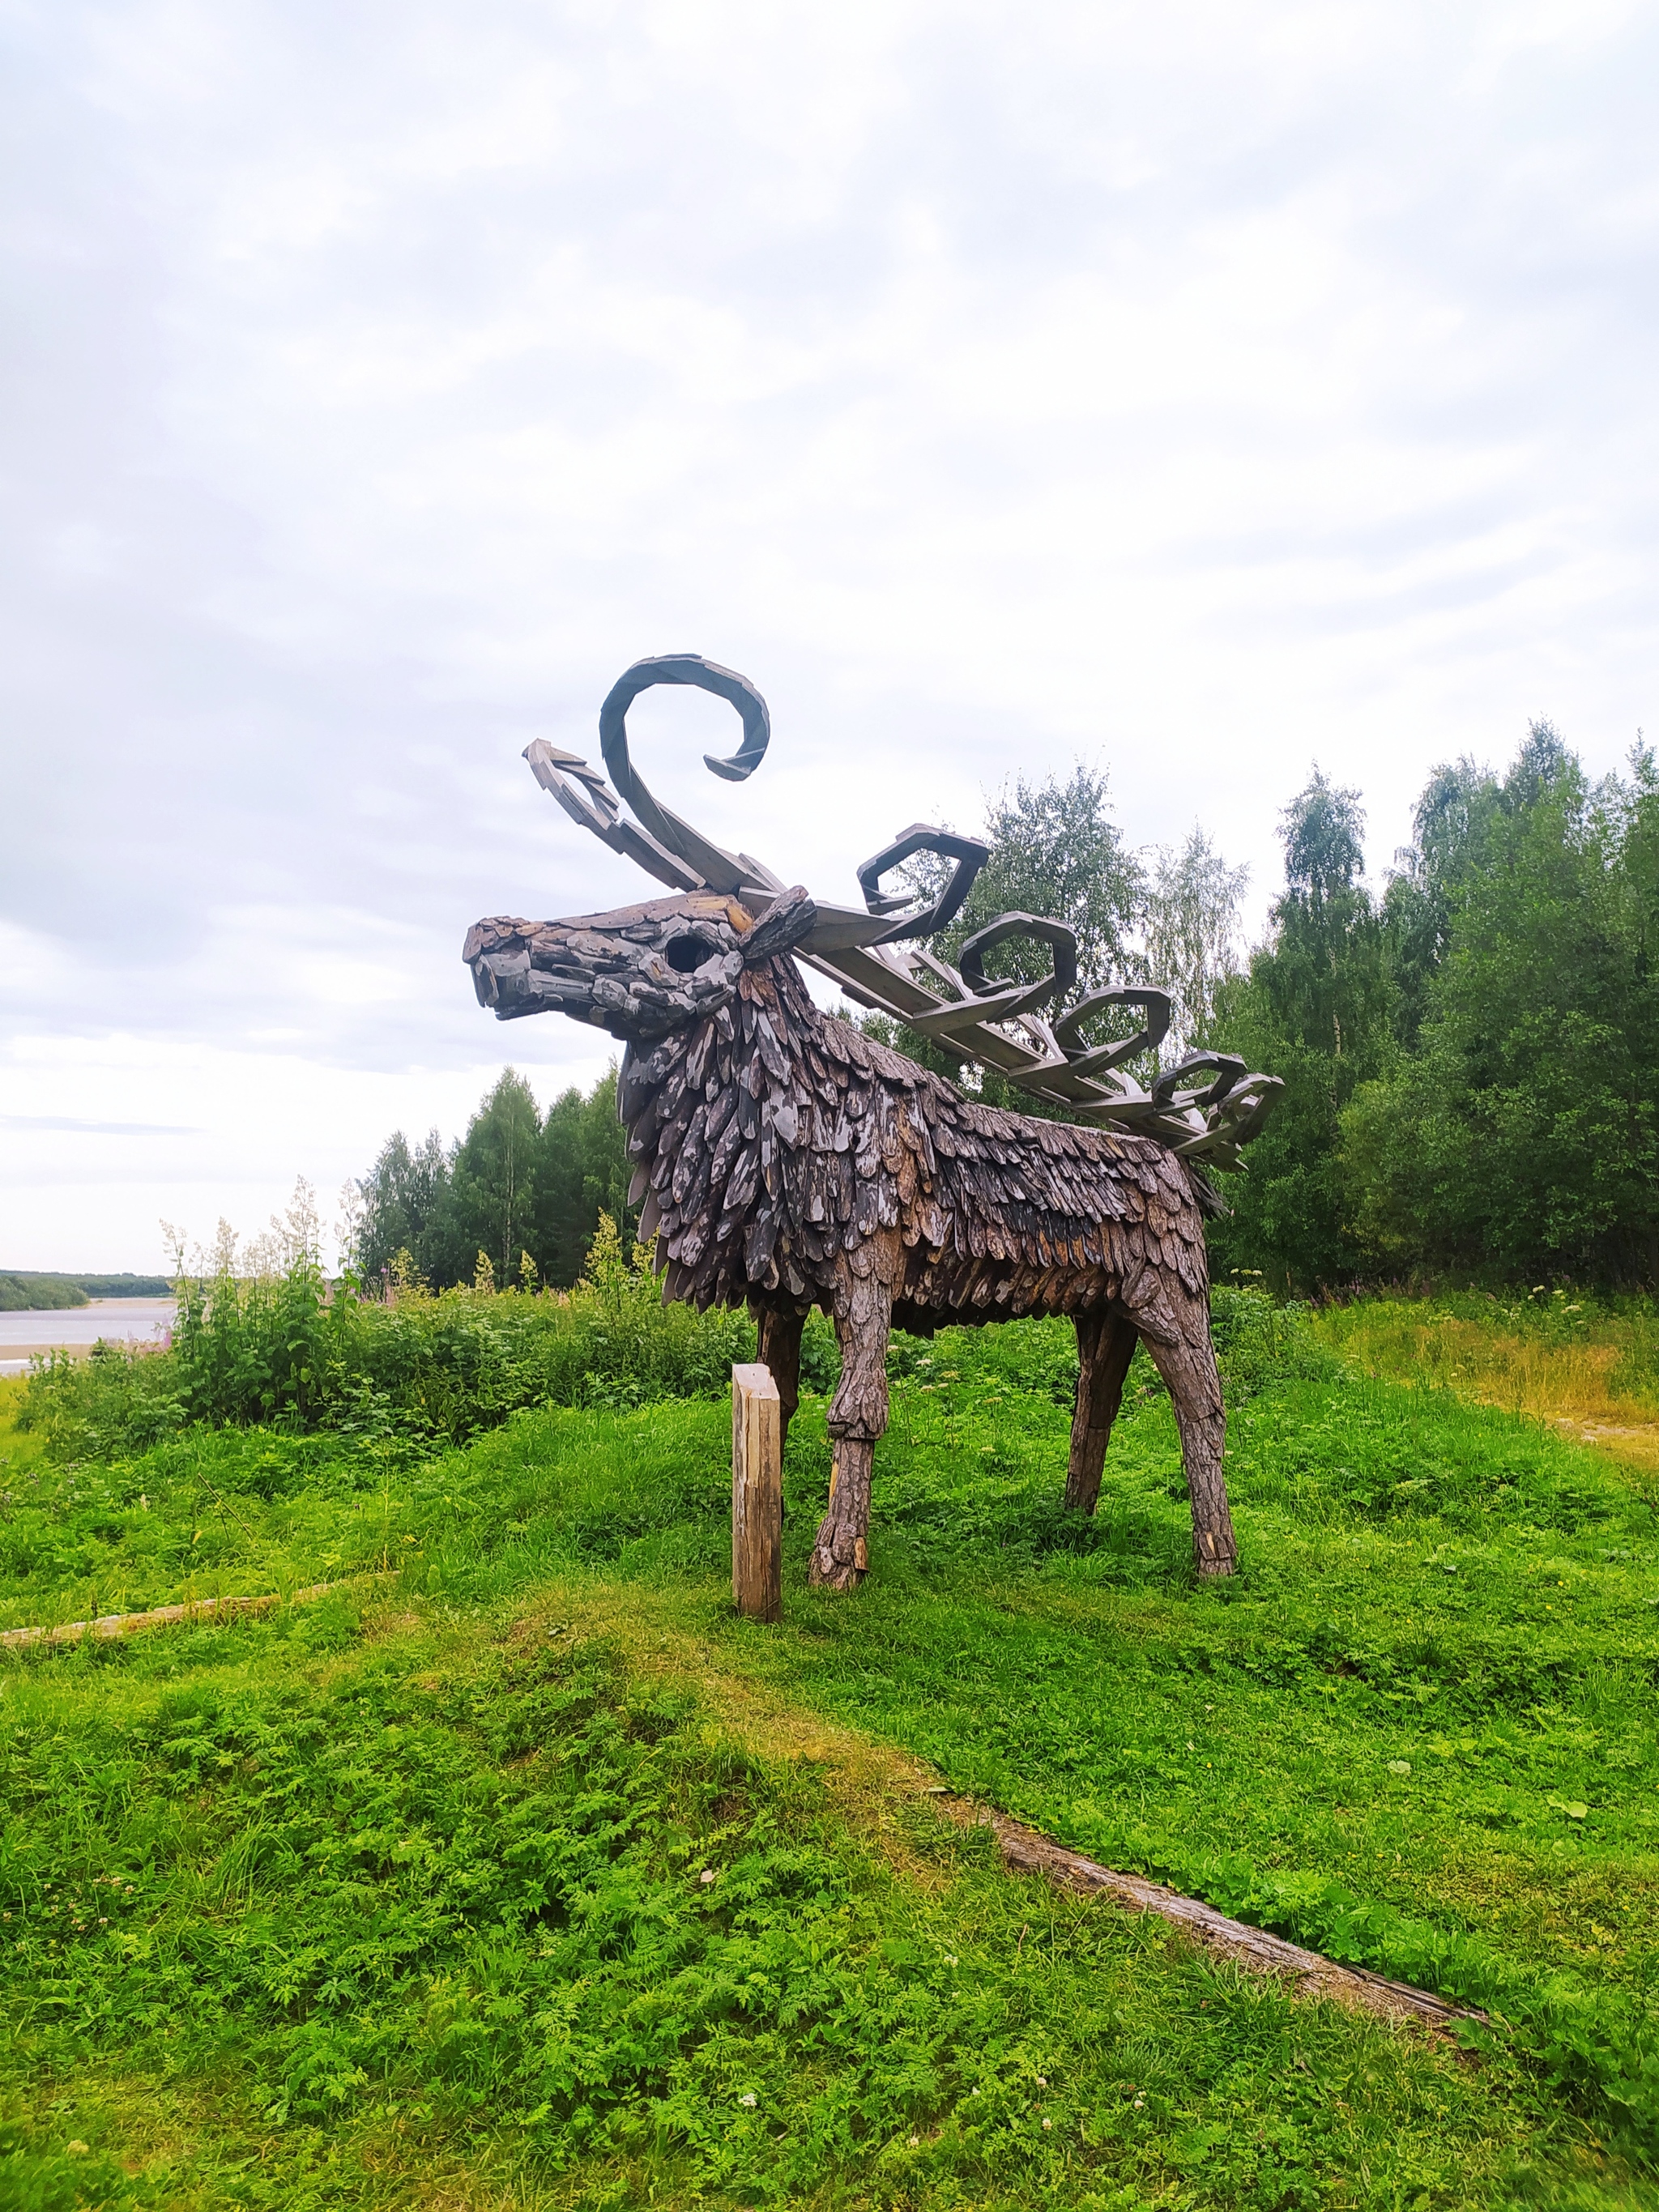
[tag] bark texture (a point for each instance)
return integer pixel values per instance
(1105, 1345)
(779, 1329)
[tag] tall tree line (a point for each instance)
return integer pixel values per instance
(1473, 1057)
(518, 1184)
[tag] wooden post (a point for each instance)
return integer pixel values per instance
(757, 1494)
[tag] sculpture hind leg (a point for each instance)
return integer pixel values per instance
(779, 1350)
(858, 1417)
(1105, 1346)
(1184, 1356)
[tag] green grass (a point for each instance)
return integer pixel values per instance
(1587, 1364)
(1605, 1346)
(395, 1907)
(415, 1912)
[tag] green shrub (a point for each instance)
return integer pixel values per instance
(125, 1399)
(1258, 1341)
(38, 1293)
(286, 1352)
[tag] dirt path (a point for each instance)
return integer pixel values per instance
(1634, 1443)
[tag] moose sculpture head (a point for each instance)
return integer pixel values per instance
(639, 972)
(787, 1160)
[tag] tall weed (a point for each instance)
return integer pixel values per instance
(1553, 1354)
(288, 1351)
(284, 1349)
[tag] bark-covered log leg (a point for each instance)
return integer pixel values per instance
(1186, 1363)
(1105, 1346)
(841, 1554)
(858, 1416)
(779, 1349)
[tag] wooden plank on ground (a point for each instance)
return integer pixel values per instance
(125, 1623)
(1309, 1973)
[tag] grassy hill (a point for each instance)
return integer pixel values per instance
(517, 1870)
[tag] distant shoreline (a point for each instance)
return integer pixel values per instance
(39, 1290)
(73, 1330)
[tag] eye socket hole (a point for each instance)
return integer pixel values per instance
(685, 954)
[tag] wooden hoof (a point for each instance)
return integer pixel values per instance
(829, 1574)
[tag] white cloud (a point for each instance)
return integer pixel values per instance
(104, 1138)
(1201, 390)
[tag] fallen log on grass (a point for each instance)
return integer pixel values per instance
(1309, 1973)
(124, 1624)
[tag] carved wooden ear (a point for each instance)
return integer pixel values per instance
(786, 921)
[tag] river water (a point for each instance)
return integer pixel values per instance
(79, 1327)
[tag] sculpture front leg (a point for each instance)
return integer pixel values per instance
(858, 1417)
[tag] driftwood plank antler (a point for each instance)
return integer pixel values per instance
(876, 953)
(784, 1158)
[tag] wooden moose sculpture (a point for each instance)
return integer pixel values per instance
(786, 1159)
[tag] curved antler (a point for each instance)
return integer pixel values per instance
(707, 675)
(875, 956)
(970, 961)
(720, 870)
(970, 854)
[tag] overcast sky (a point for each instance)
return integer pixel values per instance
(1200, 390)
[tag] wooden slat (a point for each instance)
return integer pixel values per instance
(1308, 1972)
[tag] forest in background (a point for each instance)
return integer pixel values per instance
(1470, 1059)
(1470, 1055)
(27, 1290)
(521, 1186)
